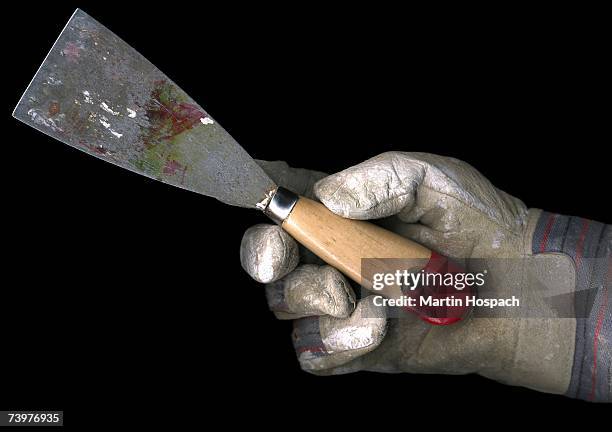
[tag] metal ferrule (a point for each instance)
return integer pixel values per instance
(281, 204)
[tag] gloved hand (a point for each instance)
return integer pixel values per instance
(448, 206)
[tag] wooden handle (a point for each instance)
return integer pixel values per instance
(342, 243)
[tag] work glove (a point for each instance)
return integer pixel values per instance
(558, 341)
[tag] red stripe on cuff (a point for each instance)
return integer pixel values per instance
(547, 230)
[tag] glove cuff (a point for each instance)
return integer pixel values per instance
(589, 245)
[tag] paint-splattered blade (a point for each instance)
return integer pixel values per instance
(96, 93)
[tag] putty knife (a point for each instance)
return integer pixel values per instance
(96, 93)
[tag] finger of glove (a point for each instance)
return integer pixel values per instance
(297, 180)
(403, 335)
(311, 290)
(379, 187)
(326, 342)
(267, 253)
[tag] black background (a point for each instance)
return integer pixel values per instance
(122, 293)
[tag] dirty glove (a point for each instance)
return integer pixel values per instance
(448, 206)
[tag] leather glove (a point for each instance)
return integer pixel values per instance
(448, 206)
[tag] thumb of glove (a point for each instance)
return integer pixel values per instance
(377, 188)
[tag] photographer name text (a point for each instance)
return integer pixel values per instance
(449, 301)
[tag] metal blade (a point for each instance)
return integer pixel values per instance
(96, 93)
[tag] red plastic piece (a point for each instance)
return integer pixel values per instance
(442, 315)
